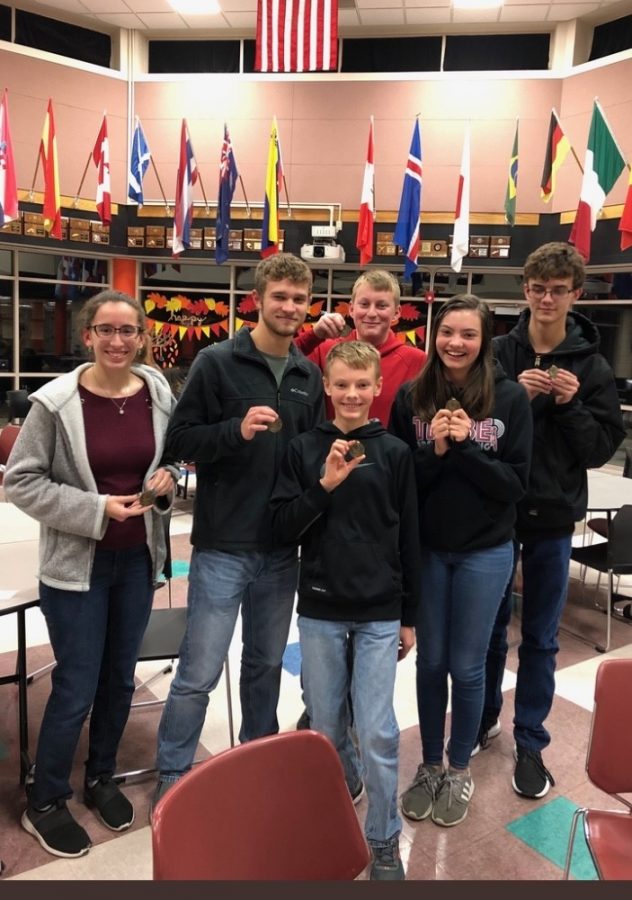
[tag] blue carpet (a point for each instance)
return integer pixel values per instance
(547, 829)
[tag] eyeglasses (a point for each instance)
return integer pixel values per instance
(127, 332)
(539, 292)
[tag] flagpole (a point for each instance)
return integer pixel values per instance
(287, 198)
(572, 149)
(34, 176)
(162, 190)
(203, 191)
(83, 178)
(248, 210)
(614, 140)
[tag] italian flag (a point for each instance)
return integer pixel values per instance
(602, 166)
(625, 225)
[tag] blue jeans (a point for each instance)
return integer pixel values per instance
(95, 636)
(263, 585)
(326, 683)
(461, 593)
(545, 565)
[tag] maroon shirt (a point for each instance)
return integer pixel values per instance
(120, 450)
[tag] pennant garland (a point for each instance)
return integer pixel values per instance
(406, 234)
(187, 176)
(602, 167)
(512, 183)
(557, 149)
(50, 166)
(8, 184)
(101, 157)
(461, 236)
(299, 36)
(139, 161)
(366, 219)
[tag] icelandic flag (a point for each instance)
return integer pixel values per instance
(187, 176)
(139, 161)
(406, 234)
(227, 180)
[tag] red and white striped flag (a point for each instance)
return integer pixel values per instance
(101, 157)
(297, 36)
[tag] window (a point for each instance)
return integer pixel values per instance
(193, 56)
(417, 54)
(68, 40)
(612, 37)
(496, 52)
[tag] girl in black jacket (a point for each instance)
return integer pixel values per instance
(470, 429)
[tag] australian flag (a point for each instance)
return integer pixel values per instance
(227, 180)
(406, 233)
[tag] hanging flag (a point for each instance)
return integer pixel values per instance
(48, 158)
(625, 225)
(557, 148)
(602, 166)
(8, 184)
(274, 180)
(512, 183)
(364, 240)
(406, 234)
(139, 161)
(461, 236)
(101, 157)
(227, 180)
(187, 176)
(297, 36)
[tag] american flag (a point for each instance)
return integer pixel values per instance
(297, 36)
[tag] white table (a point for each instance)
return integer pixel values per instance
(608, 492)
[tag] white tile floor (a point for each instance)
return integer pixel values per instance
(129, 856)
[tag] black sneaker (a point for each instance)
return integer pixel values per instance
(111, 805)
(56, 830)
(531, 778)
(387, 863)
(304, 721)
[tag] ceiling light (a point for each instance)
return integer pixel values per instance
(196, 7)
(477, 4)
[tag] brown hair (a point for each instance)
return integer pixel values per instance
(279, 267)
(355, 354)
(555, 260)
(431, 390)
(89, 309)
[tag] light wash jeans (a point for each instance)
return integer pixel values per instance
(461, 594)
(264, 586)
(326, 685)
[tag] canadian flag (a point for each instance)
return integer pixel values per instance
(364, 240)
(101, 157)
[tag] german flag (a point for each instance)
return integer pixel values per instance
(557, 148)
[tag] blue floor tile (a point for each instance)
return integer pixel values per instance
(546, 830)
(179, 568)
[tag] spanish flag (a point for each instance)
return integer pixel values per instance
(48, 157)
(557, 148)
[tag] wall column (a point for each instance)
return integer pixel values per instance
(124, 276)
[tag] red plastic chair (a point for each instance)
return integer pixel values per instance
(608, 833)
(8, 437)
(273, 809)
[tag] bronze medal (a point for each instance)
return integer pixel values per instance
(148, 497)
(356, 450)
(453, 404)
(275, 426)
(553, 371)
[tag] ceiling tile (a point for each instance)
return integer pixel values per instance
(379, 4)
(524, 13)
(122, 20)
(381, 16)
(236, 5)
(473, 16)
(432, 16)
(160, 21)
(201, 22)
(348, 18)
(562, 12)
(241, 20)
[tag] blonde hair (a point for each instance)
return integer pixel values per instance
(379, 280)
(356, 355)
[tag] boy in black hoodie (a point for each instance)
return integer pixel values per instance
(346, 492)
(553, 353)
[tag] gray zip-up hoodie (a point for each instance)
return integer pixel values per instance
(48, 476)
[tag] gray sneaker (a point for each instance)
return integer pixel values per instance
(418, 799)
(453, 798)
(159, 792)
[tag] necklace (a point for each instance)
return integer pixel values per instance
(121, 408)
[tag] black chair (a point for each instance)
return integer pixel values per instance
(19, 405)
(612, 557)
